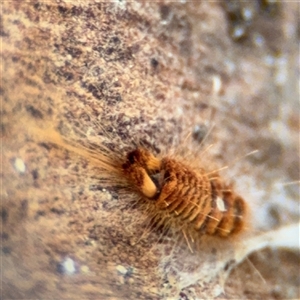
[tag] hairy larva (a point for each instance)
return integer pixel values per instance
(196, 198)
(175, 195)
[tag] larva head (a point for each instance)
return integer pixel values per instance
(141, 168)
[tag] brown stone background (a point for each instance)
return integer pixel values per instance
(142, 72)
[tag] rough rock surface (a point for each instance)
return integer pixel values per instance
(150, 73)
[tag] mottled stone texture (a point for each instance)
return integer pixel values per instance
(127, 73)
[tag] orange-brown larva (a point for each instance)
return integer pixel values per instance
(178, 196)
(197, 198)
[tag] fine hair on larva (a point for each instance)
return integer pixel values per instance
(176, 194)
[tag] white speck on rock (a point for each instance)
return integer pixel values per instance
(218, 290)
(247, 14)
(217, 84)
(19, 165)
(69, 266)
(121, 269)
(85, 269)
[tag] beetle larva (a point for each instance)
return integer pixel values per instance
(197, 198)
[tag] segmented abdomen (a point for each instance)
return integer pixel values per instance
(207, 203)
